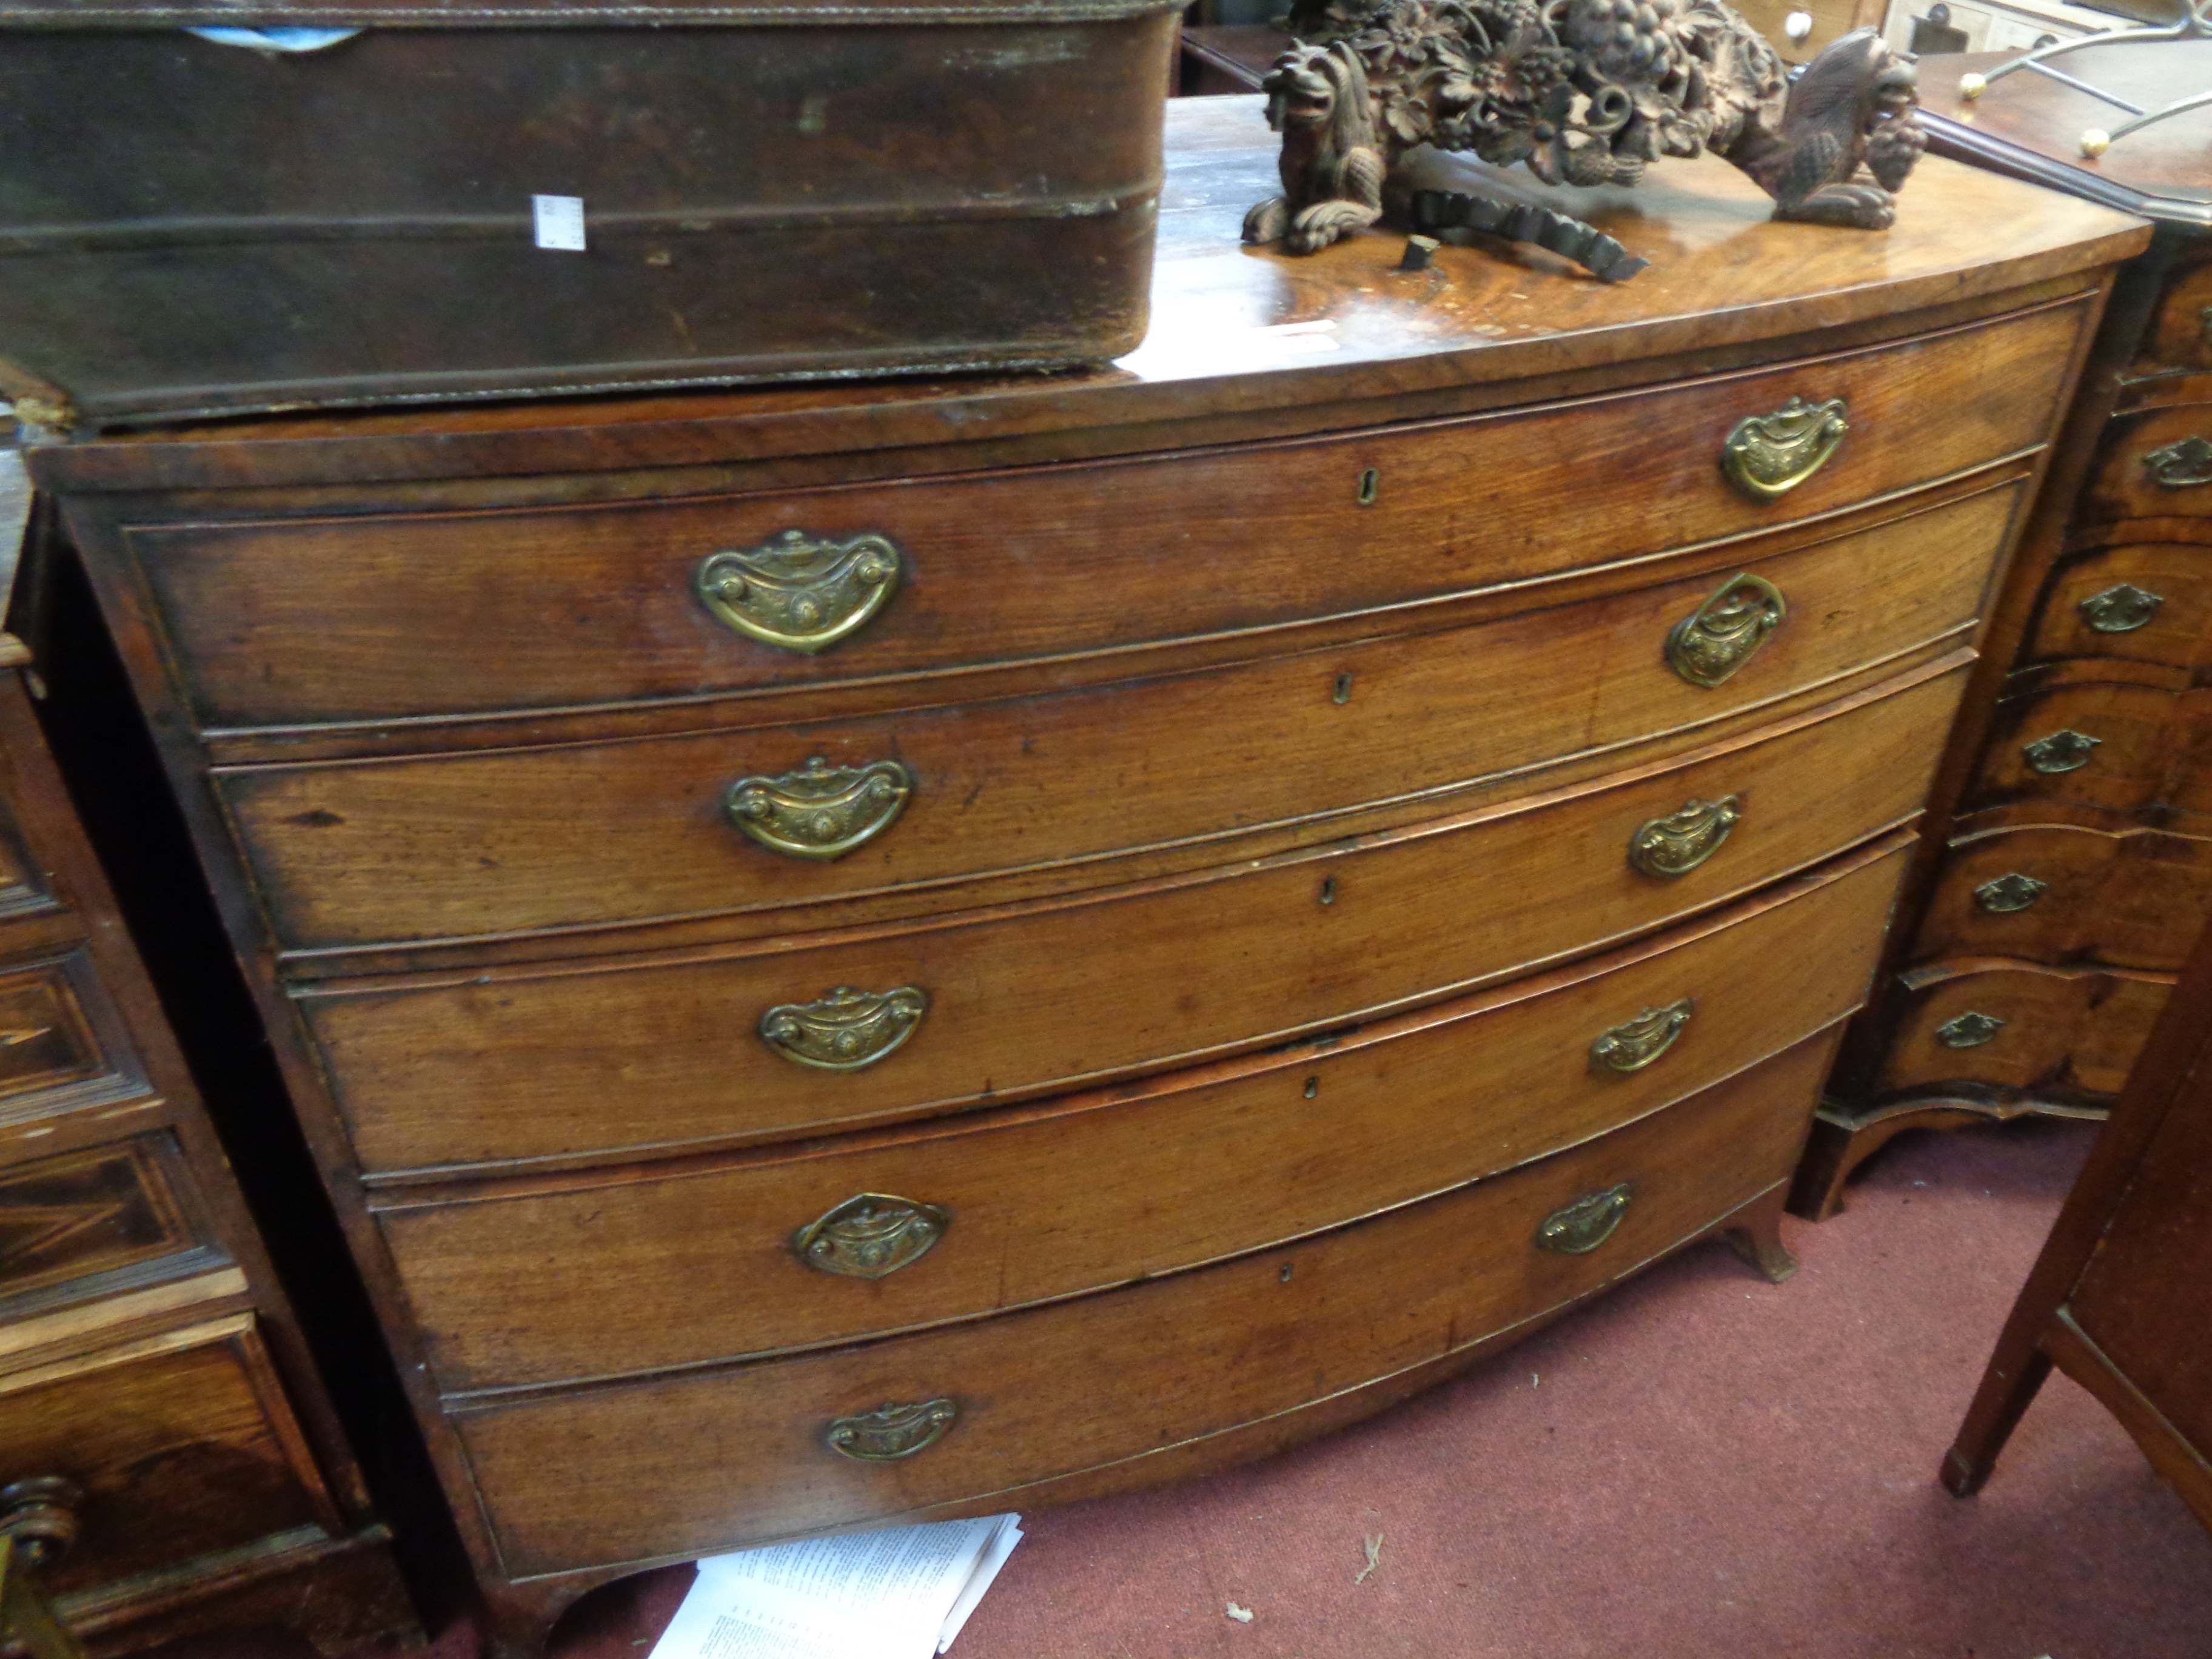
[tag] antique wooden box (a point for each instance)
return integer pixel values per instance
(769, 189)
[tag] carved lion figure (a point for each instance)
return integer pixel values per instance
(1585, 92)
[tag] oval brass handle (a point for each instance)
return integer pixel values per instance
(1767, 456)
(798, 592)
(2121, 610)
(2010, 892)
(844, 1029)
(1635, 1043)
(2067, 751)
(1726, 631)
(2181, 466)
(821, 811)
(870, 1236)
(1685, 838)
(1587, 1223)
(891, 1430)
(1969, 1030)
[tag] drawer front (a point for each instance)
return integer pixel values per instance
(2058, 894)
(2147, 602)
(182, 1444)
(100, 1210)
(2113, 746)
(459, 846)
(2063, 1033)
(2157, 464)
(361, 618)
(58, 1033)
(1117, 1186)
(577, 1059)
(642, 1470)
(2180, 338)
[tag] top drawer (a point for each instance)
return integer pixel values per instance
(305, 622)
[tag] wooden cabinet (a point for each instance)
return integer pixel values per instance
(797, 920)
(2067, 862)
(2116, 1300)
(155, 1394)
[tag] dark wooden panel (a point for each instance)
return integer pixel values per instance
(2178, 632)
(644, 1469)
(2067, 1033)
(2130, 898)
(355, 618)
(181, 1442)
(47, 1036)
(2151, 468)
(90, 1212)
(701, 1265)
(559, 1061)
(2152, 754)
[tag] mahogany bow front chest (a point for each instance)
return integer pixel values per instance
(913, 949)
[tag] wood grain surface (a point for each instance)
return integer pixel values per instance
(661, 1052)
(1069, 1387)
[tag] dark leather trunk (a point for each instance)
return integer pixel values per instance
(189, 227)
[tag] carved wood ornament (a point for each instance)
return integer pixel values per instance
(1586, 92)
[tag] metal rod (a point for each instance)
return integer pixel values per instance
(2080, 85)
(2175, 108)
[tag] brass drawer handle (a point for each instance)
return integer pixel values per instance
(1767, 456)
(2061, 751)
(821, 811)
(1969, 1030)
(1635, 1043)
(2181, 466)
(890, 1431)
(844, 1029)
(37, 1523)
(1726, 631)
(1685, 838)
(1587, 1223)
(870, 1236)
(2009, 893)
(2121, 610)
(797, 592)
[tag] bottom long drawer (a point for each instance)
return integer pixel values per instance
(710, 1460)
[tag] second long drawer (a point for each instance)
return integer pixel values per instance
(894, 1232)
(573, 1059)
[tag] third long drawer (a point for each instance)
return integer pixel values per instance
(577, 1059)
(628, 1271)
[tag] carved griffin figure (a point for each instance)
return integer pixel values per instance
(1586, 92)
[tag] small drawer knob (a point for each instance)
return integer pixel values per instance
(1969, 1030)
(1635, 1043)
(1587, 1223)
(1722, 635)
(820, 811)
(1767, 456)
(870, 1236)
(1678, 843)
(800, 592)
(2181, 466)
(844, 1029)
(2009, 893)
(2121, 610)
(891, 1430)
(2066, 751)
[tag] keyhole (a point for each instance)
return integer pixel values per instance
(1343, 692)
(1284, 1277)
(1329, 890)
(1313, 1087)
(1370, 483)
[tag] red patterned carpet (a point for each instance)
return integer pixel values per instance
(1699, 1467)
